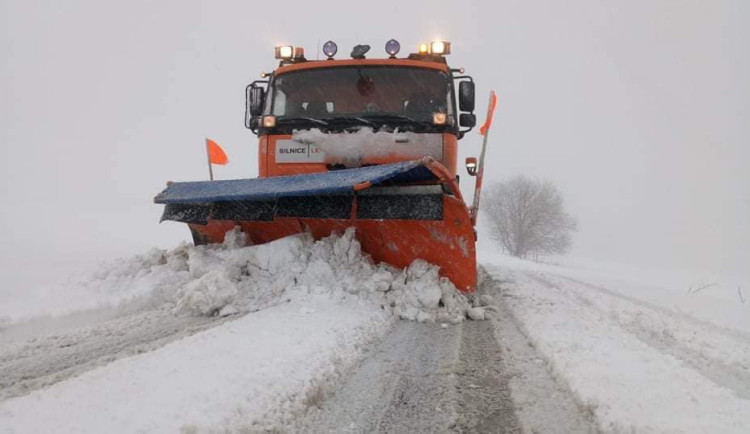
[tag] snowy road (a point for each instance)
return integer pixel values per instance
(565, 349)
(478, 376)
(423, 378)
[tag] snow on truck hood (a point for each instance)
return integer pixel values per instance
(352, 147)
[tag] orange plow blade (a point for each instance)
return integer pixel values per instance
(413, 211)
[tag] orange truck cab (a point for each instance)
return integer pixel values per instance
(411, 101)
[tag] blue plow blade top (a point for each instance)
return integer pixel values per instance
(332, 182)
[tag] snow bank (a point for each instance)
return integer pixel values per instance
(717, 298)
(634, 364)
(234, 278)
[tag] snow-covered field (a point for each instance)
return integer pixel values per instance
(640, 353)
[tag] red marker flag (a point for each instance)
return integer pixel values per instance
(216, 155)
(490, 113)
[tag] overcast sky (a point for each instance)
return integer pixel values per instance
(639, 111)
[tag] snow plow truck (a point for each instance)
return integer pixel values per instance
(365, 142)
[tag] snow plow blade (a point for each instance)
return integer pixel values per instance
(401, 211)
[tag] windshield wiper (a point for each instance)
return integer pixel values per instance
(392, 117)
(369, 119)
(296, 118)
(349, 120)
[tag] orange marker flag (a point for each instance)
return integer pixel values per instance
(216, 155)
(490, 113)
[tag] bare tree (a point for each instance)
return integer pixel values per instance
(527, 217)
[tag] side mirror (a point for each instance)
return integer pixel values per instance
(468, 120)
(471, 166)
(255, 97)
(466, 96)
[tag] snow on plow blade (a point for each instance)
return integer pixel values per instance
(401, 211)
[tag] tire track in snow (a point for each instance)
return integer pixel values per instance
(54, 354)
(733, 376)
(543, 400)
(484, 398)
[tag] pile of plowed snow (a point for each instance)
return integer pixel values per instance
(234, 278)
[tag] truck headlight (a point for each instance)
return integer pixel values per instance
(269, 121)
(439, 118)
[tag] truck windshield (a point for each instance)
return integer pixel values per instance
(398, 94)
